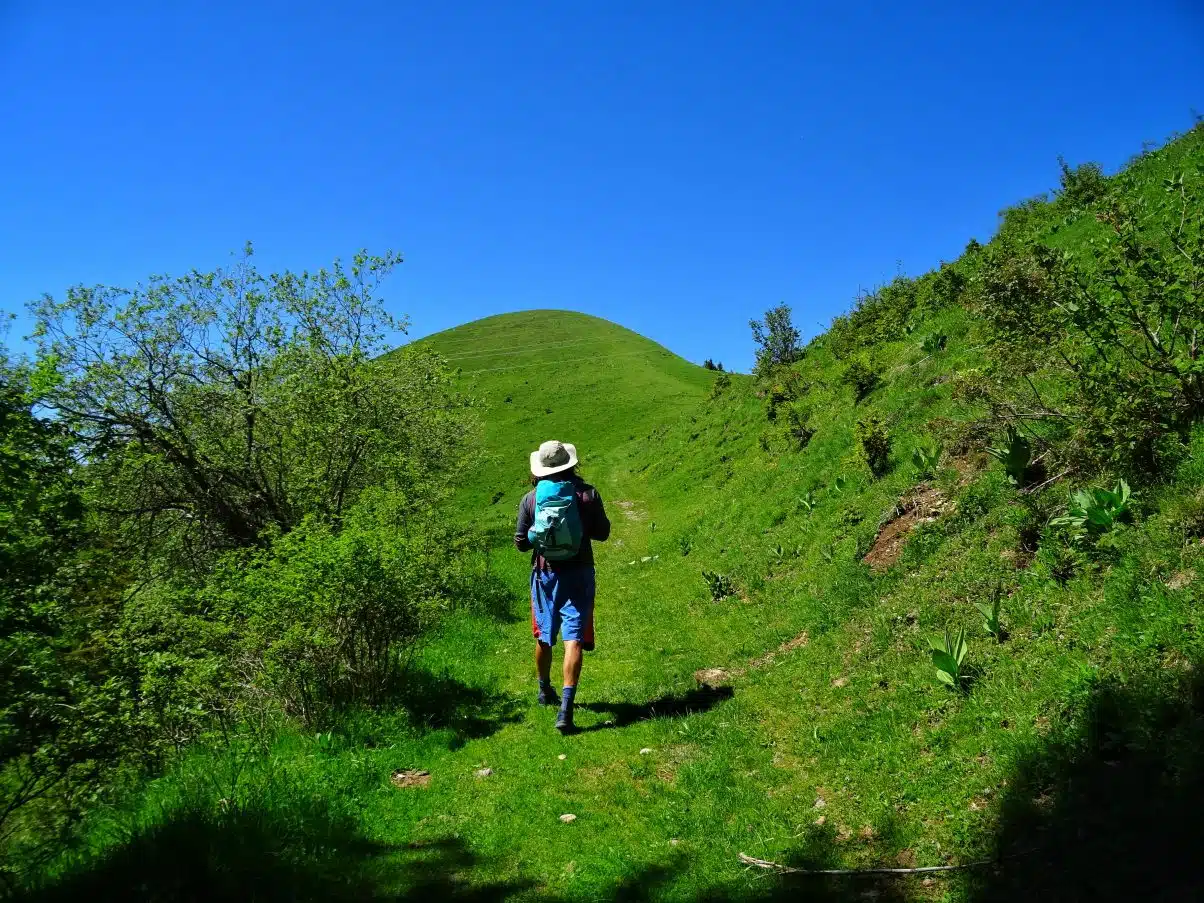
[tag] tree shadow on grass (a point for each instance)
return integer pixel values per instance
(700, 699)
(443, 702)
(300, 851)
(1111, 808)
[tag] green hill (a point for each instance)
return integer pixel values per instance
(545, 374)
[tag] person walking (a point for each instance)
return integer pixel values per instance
(557, 522)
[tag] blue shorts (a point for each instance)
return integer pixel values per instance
(562, 604)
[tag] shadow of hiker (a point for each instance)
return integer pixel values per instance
(1110, 809)
(700, 699)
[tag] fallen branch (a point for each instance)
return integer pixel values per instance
(788, 870)
(1052, 479)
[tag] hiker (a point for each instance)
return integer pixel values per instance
(557, 521)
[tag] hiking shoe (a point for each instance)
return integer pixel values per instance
(564, 721)
(548, 697)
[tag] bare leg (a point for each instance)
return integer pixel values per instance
(543, 661)
(572, 662)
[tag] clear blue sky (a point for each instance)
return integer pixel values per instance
(677, 167)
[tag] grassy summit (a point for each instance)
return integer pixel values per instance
(544, 374)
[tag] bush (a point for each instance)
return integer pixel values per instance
(861, 377)
(722, 383)
(327, 618)
(1119, 328)
(873, 445)
(1083, 185)
(777, 340)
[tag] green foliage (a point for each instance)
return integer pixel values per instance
(926, 457)
(1094, 511)
(873, 445)
(59, 702)
(777, 340)
(216, 406)
(807, 502)
(1117, 323)
(720, 586)
(722, 383)
(990, 612)
(934, 343)
(1081, 186)
(839, 484)
(1015, 454)
(947, 653)
(797, 427)
(861, 377)
(709, 364)
(876, 317)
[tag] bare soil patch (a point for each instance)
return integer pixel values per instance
(718, 677)
(922, 505)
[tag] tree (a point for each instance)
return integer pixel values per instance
(56, 705)
(777, 340)
(216, 408)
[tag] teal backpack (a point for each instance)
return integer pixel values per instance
(556, 533)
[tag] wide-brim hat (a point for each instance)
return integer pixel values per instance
(553, 457)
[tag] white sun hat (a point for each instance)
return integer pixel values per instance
(553, 457)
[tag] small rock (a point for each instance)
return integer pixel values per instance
(673, 841)
(568, 817)
(645, 751)
(484, 772)
(562, 757)
(866, 832)
(927, 882)
(821, 821)
(840, 682)
(819, 803)
(645, 558)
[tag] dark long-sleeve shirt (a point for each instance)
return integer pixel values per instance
(595, 526)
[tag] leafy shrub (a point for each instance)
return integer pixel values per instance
(712, 365)
(862, 378)
(1015, 454)
(1083, 185)
(934, 343)
(807, 502)
(1094, 511)
(926, 457)
(797, 428)
(1119, 326)
(328, 617)
(876, 317)
(722, 383)
(948, 653)
(720, 585)
(990, 612)
(777, 340)
(873, 445)
(60, 701)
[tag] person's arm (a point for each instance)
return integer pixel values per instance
(599, 524)
(526, 518)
